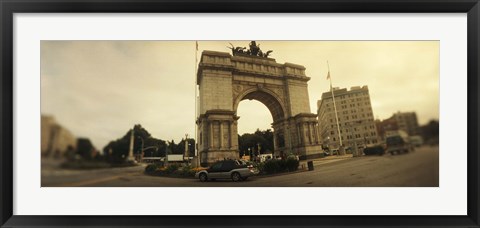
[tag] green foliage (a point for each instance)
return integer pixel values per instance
(180, 148)
(187, 171)
(292, 164)
(278, 166)
(252, 141)
(273, 166)
(282, 164)
(116, 152)
(151, 168)
(171, 168)
(85, 148)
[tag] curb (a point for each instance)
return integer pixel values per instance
(280, 174)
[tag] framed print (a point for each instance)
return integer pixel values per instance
(252, 114)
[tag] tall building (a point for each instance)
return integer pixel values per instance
(385, 126)
(55, 139)
(407, 121)
(355, 118)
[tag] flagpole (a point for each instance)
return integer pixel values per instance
(196, 106)
(335, 108)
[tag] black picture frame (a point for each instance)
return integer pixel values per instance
(9, 7)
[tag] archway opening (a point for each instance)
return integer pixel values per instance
(255, 132)
(258, 140)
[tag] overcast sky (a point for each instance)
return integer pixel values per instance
(100, 89)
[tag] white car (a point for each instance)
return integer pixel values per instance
(228, 169)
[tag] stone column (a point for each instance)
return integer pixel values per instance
(297, 128)
(312, 139)
(210, 141)
(231, 136)
(275, 144)
(305, 133)
(220, 125)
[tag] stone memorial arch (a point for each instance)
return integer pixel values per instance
(226, 79)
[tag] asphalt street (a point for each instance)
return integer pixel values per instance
(416, 169)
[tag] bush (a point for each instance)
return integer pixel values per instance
(187, 171)
(292, 164)
(151, 168)
(271, 166)
(282, 166)
(171, 168)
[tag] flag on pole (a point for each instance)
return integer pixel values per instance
(328, 75)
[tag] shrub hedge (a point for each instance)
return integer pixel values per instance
(171, 170)
(278, 166)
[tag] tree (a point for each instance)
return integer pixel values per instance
(117, 151)
(85, 148)
(268, 136)
(181, 147)
(262, 140)
(430, 132)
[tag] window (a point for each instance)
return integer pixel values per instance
(228, 165)
(217, 166)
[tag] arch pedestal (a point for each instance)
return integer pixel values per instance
(225, 80)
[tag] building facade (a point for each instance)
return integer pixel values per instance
(404, 121)
(55, 139)
(407, 121)
(225, 80)
(355, 118)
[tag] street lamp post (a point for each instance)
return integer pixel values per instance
(356, 153)
(166, 156)
(143, 144)
(249, 154)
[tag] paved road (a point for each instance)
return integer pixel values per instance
(417, 169)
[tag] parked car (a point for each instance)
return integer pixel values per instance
(374, 150)
(334, 152)
(236, 170)
(397, 144)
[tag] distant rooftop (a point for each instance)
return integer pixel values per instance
(338, 92)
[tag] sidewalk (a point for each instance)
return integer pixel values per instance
(330, 159)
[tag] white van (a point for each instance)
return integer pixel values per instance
(265, 157)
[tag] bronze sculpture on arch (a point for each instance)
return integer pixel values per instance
(253, 51)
